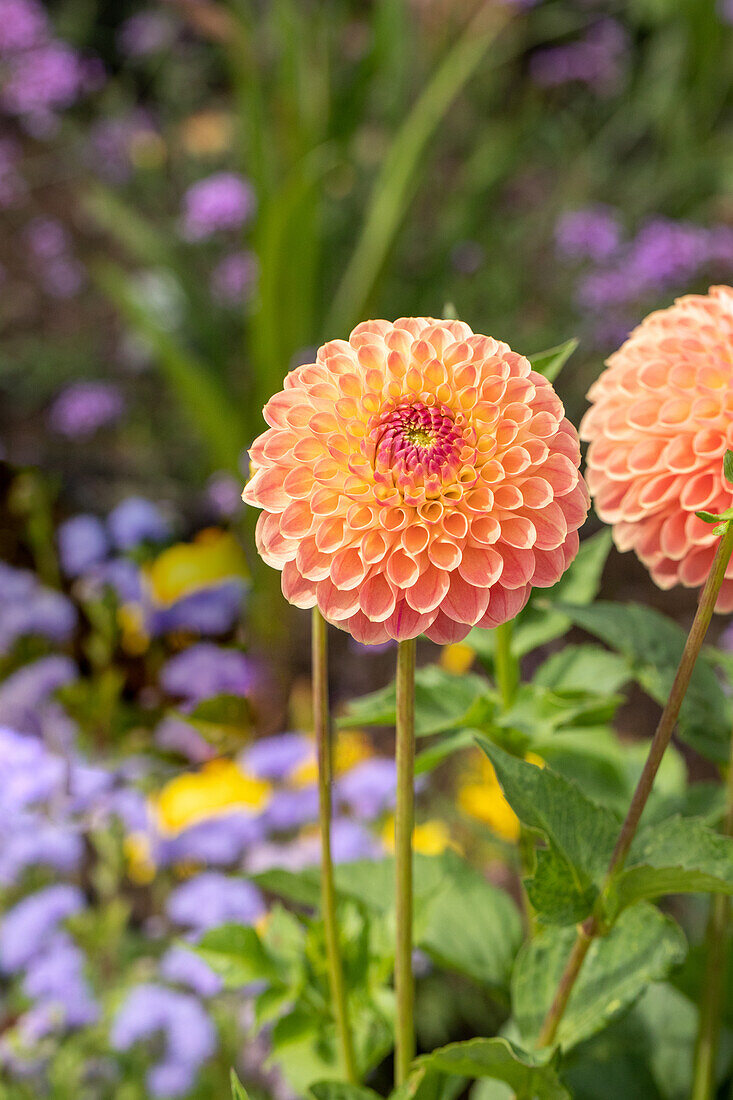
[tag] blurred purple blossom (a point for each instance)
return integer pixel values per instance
(224, 494)
(26, 928)
(121, 575)
(35, 842)
(278, 756)
(211, 899)
(27, 609)
(590, 233)
(233, 279)
(137, 520)
(47, 238)
(84, 407)
(146, 32)
(23, 24)
(56, 979)
(218, 842)
(83, 542)
(222, 202)
(368, 789)
(42, 81)
(205, 670)
(112, 142)
(29, 687)
(292, 809)
(597, 59)
(190, 1038)
(63, 277)
(185, 967)
(213, 610)
(173, 735)
(30, 773)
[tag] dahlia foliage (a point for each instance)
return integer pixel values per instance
(659, 426)
(416, 479)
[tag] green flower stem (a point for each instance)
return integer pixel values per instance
(716, 965)
(593, 925)
(322, 725)
(404, 823)
(506, 665)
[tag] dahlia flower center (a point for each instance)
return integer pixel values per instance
(419, 448)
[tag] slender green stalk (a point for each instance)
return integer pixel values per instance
(506, 666)
(322, 724)
(716, 965)
(404, 824)
(593, 925)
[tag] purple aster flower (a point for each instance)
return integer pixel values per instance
(725, 10)
(369, 788)
(42, 80)
(33, 842)
(176, 736)
(206, 670)
(597, 59)
(211, 899)
(292, 809)
(121, 575)
(129, 806)
(23, 24)
(28, 609)
(218, 842)
(27, 689)
(145, 33)
(83, 542)
(214, 610)
(224, 494)
(592, 233)
(190, 1038)
(222, 202)
(56, 978)
(30, 773)
(63, 277)
(12, 184)
(84, 407)
(47, 238)
(233, 279)
(113, 141)
(26, 928)
(135, 521)
(277, 757)
(185, 967)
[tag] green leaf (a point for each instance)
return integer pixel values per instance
(397, 178)
(423, 1085)
(551, 362)
(728, 466)
(580, 834)
(224, 721)
(236, 953)
(337, 1090)
(653, 645)
(678, 856)
(642, 947)
(443, 702)
(583, 668)
(531, 1075)
(238, 1090)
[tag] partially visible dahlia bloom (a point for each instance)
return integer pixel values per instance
(660, 423)
(417, 479)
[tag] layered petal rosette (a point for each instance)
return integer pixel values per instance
(416, 479)
(660, 423)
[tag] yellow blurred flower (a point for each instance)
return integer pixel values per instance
(134, 637)
(219, 787)
(431, 838)
(481, 797)
(457, 658)
(350, 748)
(213, 556)
(138, 857)
(207, 133)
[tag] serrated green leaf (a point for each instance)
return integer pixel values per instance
(529, 1074)
(581, 835)
(678, 856)
(236, 953)
(238, 1090)
(549, 363)
(653, 645)
(642, 947)
(443, 702)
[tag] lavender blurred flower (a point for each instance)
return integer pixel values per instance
(42, 81)
(84, 407)
(277, 757)
(113, 142)
(83, 542)
(47, 238)
(214, 610)
(34, 842)
(30, 773)
(185, 967)
(23, 24)
(591, 233)
(206, 670)
(211, 899)
(233, 279)
(26, 928)
(26, 690)
(224, 494)
(137, 520)
(292, 809)
(368, 789)
(222, 202)
(145, 33)
(27, 609)
(597, 59)
(121, 575)
(63, 277)
(219, 842)
(56, 979)
(174, 735)
(190, 1038)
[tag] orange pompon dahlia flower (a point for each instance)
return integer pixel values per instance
(416, 479)
(660, 423)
